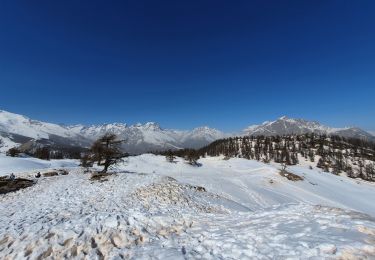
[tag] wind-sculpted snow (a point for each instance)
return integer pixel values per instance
(150, 208)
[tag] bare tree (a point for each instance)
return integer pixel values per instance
(106, 151)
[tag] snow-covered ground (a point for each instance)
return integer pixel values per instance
(24, 165)
(155, 209)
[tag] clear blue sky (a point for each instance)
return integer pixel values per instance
(226, 64)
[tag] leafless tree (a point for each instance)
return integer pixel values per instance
(106, 151)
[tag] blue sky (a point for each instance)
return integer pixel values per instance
(226, 64)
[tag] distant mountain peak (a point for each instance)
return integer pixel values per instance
(285, 125)
(152, 126)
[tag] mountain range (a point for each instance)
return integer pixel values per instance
(19, 130)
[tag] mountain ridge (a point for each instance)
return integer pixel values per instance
(146, 137)
(285, 125)
(15, 129)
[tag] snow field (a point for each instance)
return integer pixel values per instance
(154, 209)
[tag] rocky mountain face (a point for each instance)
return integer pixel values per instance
(16, 130)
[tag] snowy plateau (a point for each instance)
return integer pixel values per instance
(149, 208)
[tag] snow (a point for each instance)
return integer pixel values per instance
(248, 182)
(20, 165)
(18, 124)
(155, 209)
(6, 144)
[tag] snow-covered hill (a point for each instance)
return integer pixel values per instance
(285, 126)
(154, 209)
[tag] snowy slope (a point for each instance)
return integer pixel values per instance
(19, 165)
(21, 125)
(247, 182)
(153, 209)
(6, 144)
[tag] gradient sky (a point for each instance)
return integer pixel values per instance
(226, 64)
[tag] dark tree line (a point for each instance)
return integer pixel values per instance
(47, 152)
(333, 154)
(336, 154)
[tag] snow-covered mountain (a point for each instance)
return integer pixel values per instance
(17, 129)
(285, 125)
(150, 136)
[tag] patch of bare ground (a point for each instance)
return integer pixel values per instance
(55, 173)
(290, 176)
(100, 176)
(11, 185)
